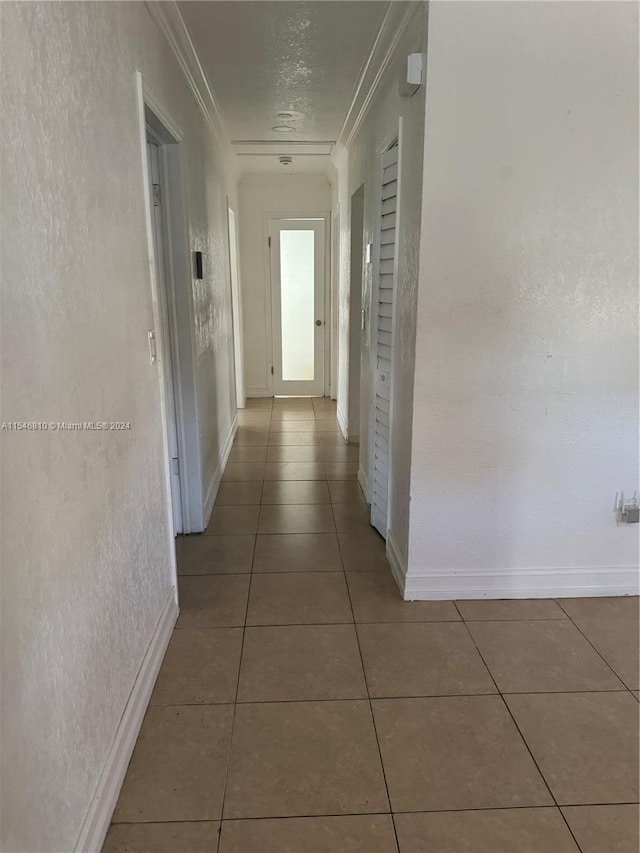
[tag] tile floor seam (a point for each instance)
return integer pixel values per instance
(235, 703)
(402, 697)
(551, 806)
(373, 719)
(328, 467)
(578, 628)
(522, 737)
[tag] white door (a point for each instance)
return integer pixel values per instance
(297, 306)
(164, 342)
(383, 315)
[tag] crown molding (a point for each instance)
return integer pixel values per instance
(392, 28)
(167, 16)
(261, 148)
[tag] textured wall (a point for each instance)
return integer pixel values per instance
(361, 166)
(85, 550)
(259, 195)
(526, 388)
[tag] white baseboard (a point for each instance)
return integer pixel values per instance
(98, 817)
(258, 392)
(364, 483)
(342, 423)
(522, 583)
(216, 479)
(398, 569)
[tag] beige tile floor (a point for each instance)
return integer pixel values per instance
(303, 707)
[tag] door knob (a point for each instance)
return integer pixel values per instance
(318, 322)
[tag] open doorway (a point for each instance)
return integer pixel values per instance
(298, 292)
(160, 340)
(171, 344)
(355, 312)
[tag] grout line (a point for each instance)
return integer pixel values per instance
(371, 814)
(235, 703)
(578, 628)
(322, 462)
(366, 684)
(352, 699)
(522, 737)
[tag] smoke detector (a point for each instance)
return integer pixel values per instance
(286, 160)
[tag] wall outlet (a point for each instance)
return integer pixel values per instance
(627, 511)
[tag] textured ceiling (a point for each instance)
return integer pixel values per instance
(262, 57)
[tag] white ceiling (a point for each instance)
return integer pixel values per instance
(263, 57)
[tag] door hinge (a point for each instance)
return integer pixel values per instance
(269, 241)
(156, 195)
(272, 370)
(175, 466)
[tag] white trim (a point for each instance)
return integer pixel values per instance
(392, 28)
(157, 319)
(334, 301)
(398, 569)
(328, 313)
(236, 304)
(261, 391)
(522, 583)
(268, 148)
(363, 479)
(98, 816)
(216, 479)
(168, 18)
(342, 423)
(180, 299)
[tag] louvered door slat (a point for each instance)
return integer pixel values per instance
(383, 311)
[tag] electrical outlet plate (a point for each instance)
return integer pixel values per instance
(627, 511)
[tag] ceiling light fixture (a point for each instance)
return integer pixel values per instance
(289, 115)
(283, 128)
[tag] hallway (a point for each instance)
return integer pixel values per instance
(212, 214)
(299, 694)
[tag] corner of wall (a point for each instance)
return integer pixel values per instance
(342, 422)
(216, 478)
(398, 567)
(98, 817)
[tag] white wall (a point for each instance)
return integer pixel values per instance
(525, 415)
(86, 560)
(361, 165)
(262, 194)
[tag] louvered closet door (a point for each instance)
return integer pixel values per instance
(383, 342)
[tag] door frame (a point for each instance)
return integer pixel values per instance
(373, 324)
(236, 305)
(357, 201)
(163, 332)
(153, 118)
(308, 214)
